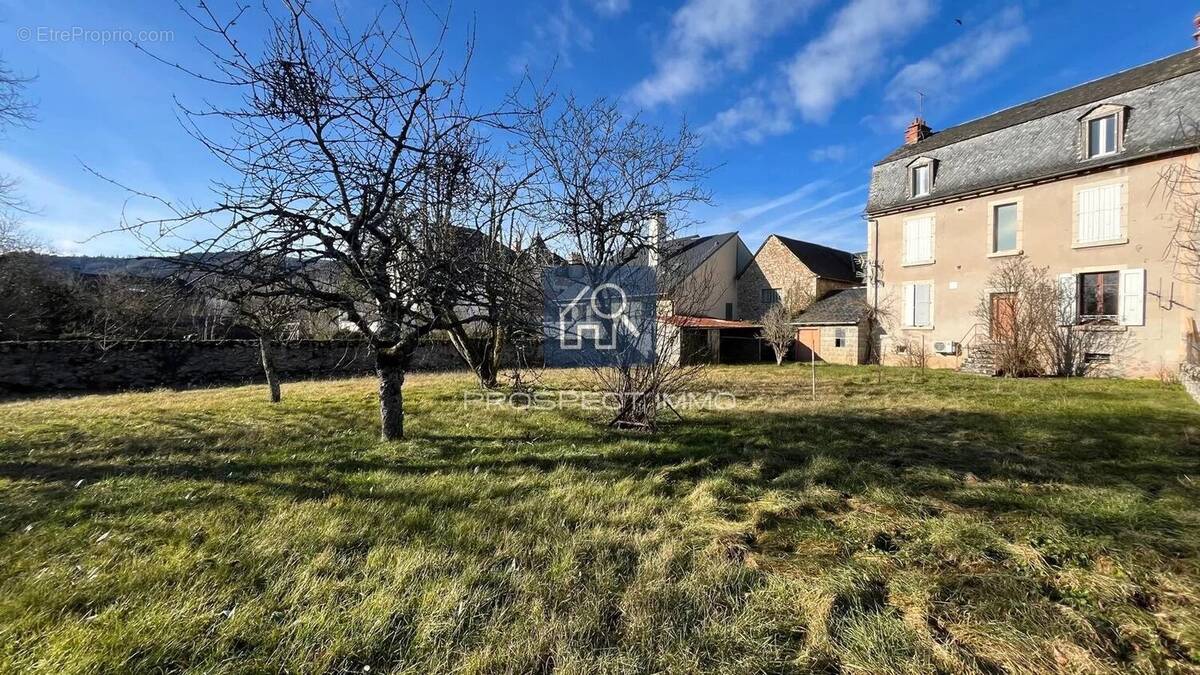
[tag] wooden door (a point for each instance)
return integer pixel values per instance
(1004, 315)
(808, 341)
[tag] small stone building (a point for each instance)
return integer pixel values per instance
(783, 264)
(836, 328)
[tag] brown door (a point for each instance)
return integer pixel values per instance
(1004, 315)
(807, 341)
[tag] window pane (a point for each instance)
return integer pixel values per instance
(1098, 294)
(1102, 135)
(1005, 233)
(770, 296)
(1094, 138)
(920, 180)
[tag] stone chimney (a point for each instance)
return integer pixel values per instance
(1196, 24)
(917, 131)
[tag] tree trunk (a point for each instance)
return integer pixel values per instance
(779, 354)
(265, 348)
(391, 396)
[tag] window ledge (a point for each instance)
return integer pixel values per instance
(918, 328)
(1005, 254)
(1106, 242)
(1100, 328)
(918, 263)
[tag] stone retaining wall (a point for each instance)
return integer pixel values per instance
(1189, 375)
(82, 365)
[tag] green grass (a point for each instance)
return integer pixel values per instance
(937, 523)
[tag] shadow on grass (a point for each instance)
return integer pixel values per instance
(914, 454)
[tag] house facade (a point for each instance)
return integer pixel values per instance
(1070, 182)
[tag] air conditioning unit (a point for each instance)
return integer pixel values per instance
(945, 347)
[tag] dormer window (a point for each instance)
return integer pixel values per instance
(1102, 131)
(920, 177)
(1102, 136)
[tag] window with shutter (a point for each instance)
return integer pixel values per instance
(1100, 214)
(918, 241)
(918, 305)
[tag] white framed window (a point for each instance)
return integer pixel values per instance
(1102, 136)
(1102, 130)
(839, 337)
(1005, 227)
(921, 181)
(918, 241)
(1104, 296)
(918, 304)
(1099, 213)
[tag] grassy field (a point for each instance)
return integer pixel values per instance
(932, 523)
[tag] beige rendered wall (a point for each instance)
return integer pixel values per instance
(1046, 232)
(712, 284)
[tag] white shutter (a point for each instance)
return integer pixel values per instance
(1068, 299)
(910, 304)
(918, 240)
(910, 241)
(927, 240)
(1133, 297)
(1099, 213)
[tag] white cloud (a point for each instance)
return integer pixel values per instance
(944, 74)
(708, 37)
(610, 7)
(554, 40)
(836, 64)
(72, 220)
(829, 153)
(829, 69)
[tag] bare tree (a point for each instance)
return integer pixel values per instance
(778, 330)
(270, 313)
(1179, 184)
(1033, 325)
(355, 155)
(15, 110)
(502, 314)
(1019, 303)
(610, 191)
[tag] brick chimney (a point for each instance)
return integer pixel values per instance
(917, 131)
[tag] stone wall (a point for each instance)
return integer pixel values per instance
(854, 345)
(775, 266)
(1189, 375)
(81, 365)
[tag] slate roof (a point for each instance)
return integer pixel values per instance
(685, 254)
(1041, 138)
(825, 262)
(840, 307)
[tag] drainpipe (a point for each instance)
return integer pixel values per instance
(873, 262)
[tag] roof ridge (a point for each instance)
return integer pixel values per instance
(930, 143)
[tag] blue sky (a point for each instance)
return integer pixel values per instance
(795, 98)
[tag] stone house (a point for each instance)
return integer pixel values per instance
(783, 264)
(1070, 182)
(835, 329)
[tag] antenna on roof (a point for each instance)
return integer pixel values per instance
(920, 103)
